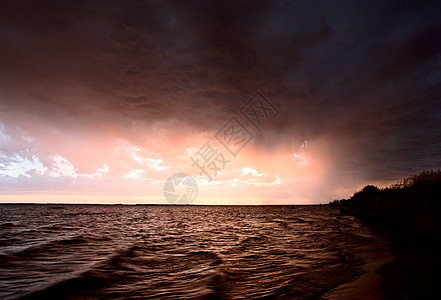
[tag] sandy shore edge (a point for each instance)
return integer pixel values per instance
(367, 286)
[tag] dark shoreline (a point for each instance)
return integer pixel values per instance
(408, 215)
(415, 273)
(375, 255)
(409, 268)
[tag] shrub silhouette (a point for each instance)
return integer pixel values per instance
(411, 206)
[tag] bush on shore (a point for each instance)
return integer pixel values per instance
(411, 206)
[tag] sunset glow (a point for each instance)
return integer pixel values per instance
(107, 108)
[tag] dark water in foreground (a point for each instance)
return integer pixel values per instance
(175, 252)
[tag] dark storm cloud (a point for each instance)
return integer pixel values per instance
(365, 76)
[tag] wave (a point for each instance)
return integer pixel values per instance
(41, 248)
(200, 272)
(7, 225)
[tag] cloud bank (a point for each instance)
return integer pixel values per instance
(102, 98)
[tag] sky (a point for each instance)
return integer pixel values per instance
(102, 101)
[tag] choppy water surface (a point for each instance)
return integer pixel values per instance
(174, 252)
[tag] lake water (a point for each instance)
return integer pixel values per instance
(176, 252)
